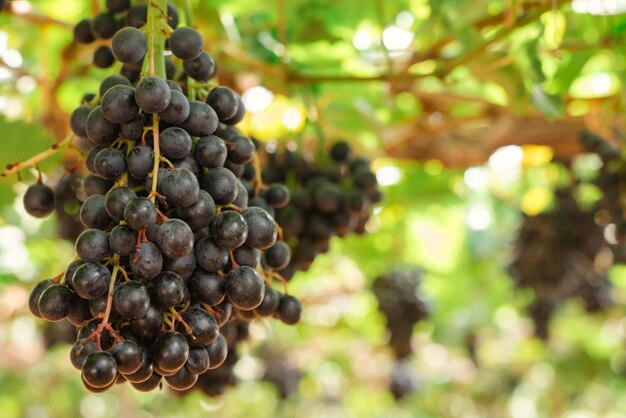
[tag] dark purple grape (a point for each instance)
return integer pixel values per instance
(170, 351)
(91, 280)
(245, 288)
(180, 188)
(207, 288)
(210, 152)
(78, 120)
(198, 361)
(139, 162)
(262, 231)
(131, 300)
(35, 294)
(241, 112)
(210, 256)
(167, 289)
(241, 150)
(202, 120)
(152, 94)
(229, 229)
(55, 302)
(83, 33)
(200, 214)
(201, 68)
(218, 351)
(178, 110)
(92, 245)
(140, 213)
(221, 184)
(175, 238)
(270, 302)
(129, 45)
(145, 369)
(99, 130)
(186, 43)
(147, 261)
(110, 163)
(203, 326)
(137, 15)
(340, 152)
(39, 200)
(116, 200)
(128, 356)
(103, 57)
(69, 272)
(278, 255)
(118, 104)
(80, 351)
(105, 25)
(149, 326)
(117, 5)
(175, 143)
(93, 214)
(112, 81)
(153, 382)
(99, 369)
(123, 240)
(224, 101)
(277, 195)
(289, 310)
(134, 128)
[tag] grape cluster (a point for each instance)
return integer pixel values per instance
(401, 301)
(331, 197)
(178, 243)
(560, 255)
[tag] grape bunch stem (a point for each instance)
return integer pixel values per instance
(14, 168)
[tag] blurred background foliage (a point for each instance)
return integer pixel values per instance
(467, 109)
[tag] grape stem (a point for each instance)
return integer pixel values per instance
(14, 168)
(107, 312)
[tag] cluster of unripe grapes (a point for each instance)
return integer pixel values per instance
(561, 254)
(329, 197)
(401, 301)
(178, 242)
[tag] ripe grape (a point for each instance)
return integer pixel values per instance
(39, 200)
(152, 94)
(129, 45)
(55, 302)
(186, 43)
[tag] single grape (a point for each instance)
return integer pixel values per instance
(178, 110)
(147, 261)
(241, 150)
(170, 351)
(129, 45)
(289, 309)
(91, 280)
(175, 143)
(35, 294)
(183, 266)
(182, 380)
(245, 288)
(198, 361)
(39, 200)
(69, 272)
(99, 130)
(80, 351)
(103, 57)
(93, 185)
(241, 112)
(55, 302)
(247, 256)
(201, 68)
(93, 214)
(277, 195)
(105, 25)
(218, 351)
(148, 327)
(175, 238)
(137, 15)
(180, 188)
(210, 256)
(167, 289)
(340, 151)
(139, 162)
(99, 369)
(221, 184)
(92, 245)
(128, 356)
(202, 120)
(83, 33)
(278, 255)
(123, 240)
(262, 231)
(210, 151)
(131, 300)
(203, 326)
(229, 229)
(145, 369)
(112, 81)
(153, 382)
(118, 104)
(186, 43)
(207, 288)
(270, 302)
(116, 199)
(140, 213)
(78, 120)
(152, 94)
(110, 163)
(224, 101)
